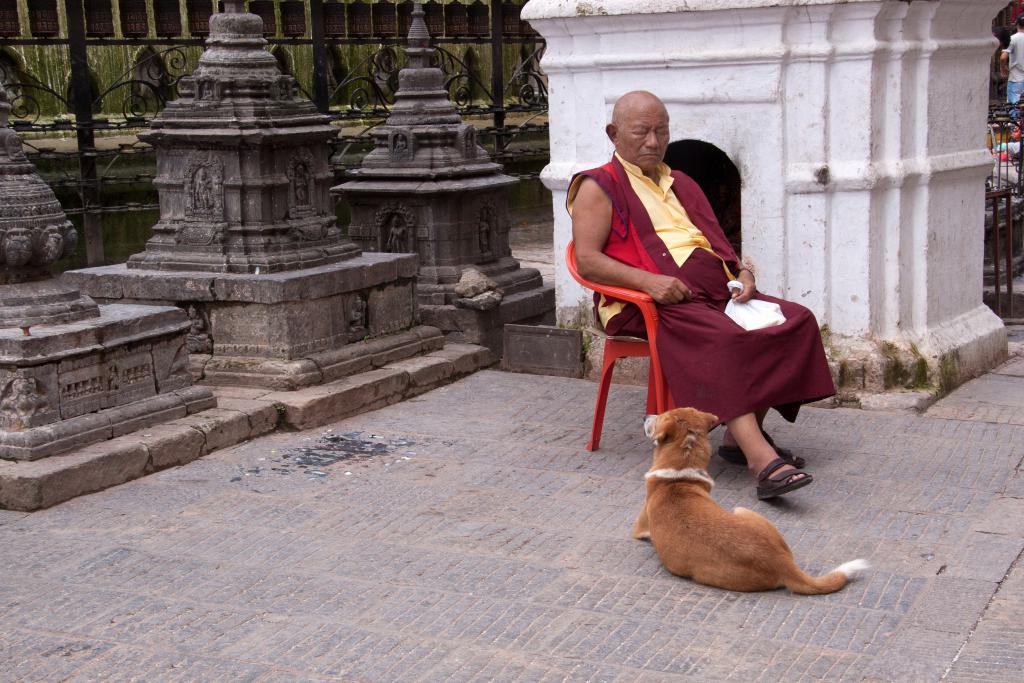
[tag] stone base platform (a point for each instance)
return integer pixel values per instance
(278, 330)
(66, 386)
(316, 368)
(76, 432)
(242, 413)
(936, 362)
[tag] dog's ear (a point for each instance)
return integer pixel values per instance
(710, 421)
(660, 428)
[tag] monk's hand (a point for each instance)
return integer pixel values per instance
(747, 278)
(665, 289)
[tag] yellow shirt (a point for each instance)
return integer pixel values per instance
(669, 218)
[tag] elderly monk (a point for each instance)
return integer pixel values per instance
(638, 224)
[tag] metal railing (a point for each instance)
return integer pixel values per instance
(1004, 196)
(509, 95)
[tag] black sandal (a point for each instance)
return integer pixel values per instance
(782, 483)
(736, 456)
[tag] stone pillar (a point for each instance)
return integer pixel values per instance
(858, 127)
(71, 372)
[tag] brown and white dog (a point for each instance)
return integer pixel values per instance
(697, 539)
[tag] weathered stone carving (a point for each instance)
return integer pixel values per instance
(396, 226)
(358, 318)
(245, 134)
(485, 229)
(427, 159)
(21, 400)
(199, 340)
(53, 372)
(400, 144)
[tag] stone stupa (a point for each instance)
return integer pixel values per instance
(73, 373)
(428, 187)
(247, 241)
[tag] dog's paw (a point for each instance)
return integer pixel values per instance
(853, 568)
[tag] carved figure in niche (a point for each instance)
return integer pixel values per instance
(396, 236)
(23, 399)
(395, 226)
(400, 146)
(484, 234)
(357, 318)
(300, 183)
(202, 190)
(198, 339)
(486, 227)
(18, 247)
(204, 90)
(113, 378)
(469, 142)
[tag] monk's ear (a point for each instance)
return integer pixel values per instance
(611, 131)
(660, 428)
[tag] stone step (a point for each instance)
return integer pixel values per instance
(242, 413)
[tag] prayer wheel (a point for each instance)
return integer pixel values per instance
(99, 19)
(134, 18)
(434, 12)
(264, 9)
(385, 21)
(456, 20)
(510, 20)
(43, 21)
(357, 18)
(479, 19)
(199, 13)
(334, 19)
(293, 18)
(167, 17)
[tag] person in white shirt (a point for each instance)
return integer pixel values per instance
(1015, 59)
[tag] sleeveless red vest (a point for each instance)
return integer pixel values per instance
(632, 239)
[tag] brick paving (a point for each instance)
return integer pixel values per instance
(466, 535)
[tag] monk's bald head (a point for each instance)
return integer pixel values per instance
(634, 103)
(639, 130)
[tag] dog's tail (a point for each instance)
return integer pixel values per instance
(804, 584)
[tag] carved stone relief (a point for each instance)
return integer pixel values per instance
(21, 399)
(485, 230)
(400, 144)
(469, 142)
(199, 339)
(358, 317)
(396, 229)
(301, 185)
(204, 189)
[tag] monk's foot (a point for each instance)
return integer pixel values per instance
(778, 477)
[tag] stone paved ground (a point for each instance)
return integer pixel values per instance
(466, 535)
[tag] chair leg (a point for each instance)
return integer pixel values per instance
(602, 398)
(654, 403)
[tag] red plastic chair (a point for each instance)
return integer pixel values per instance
(658, 397)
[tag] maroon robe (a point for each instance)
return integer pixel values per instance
(710, 362)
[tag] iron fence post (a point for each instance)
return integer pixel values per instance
(321, 91)
(498, 74)
(81, 102)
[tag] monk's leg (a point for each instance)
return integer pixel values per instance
(746, 431)
(730, 440)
